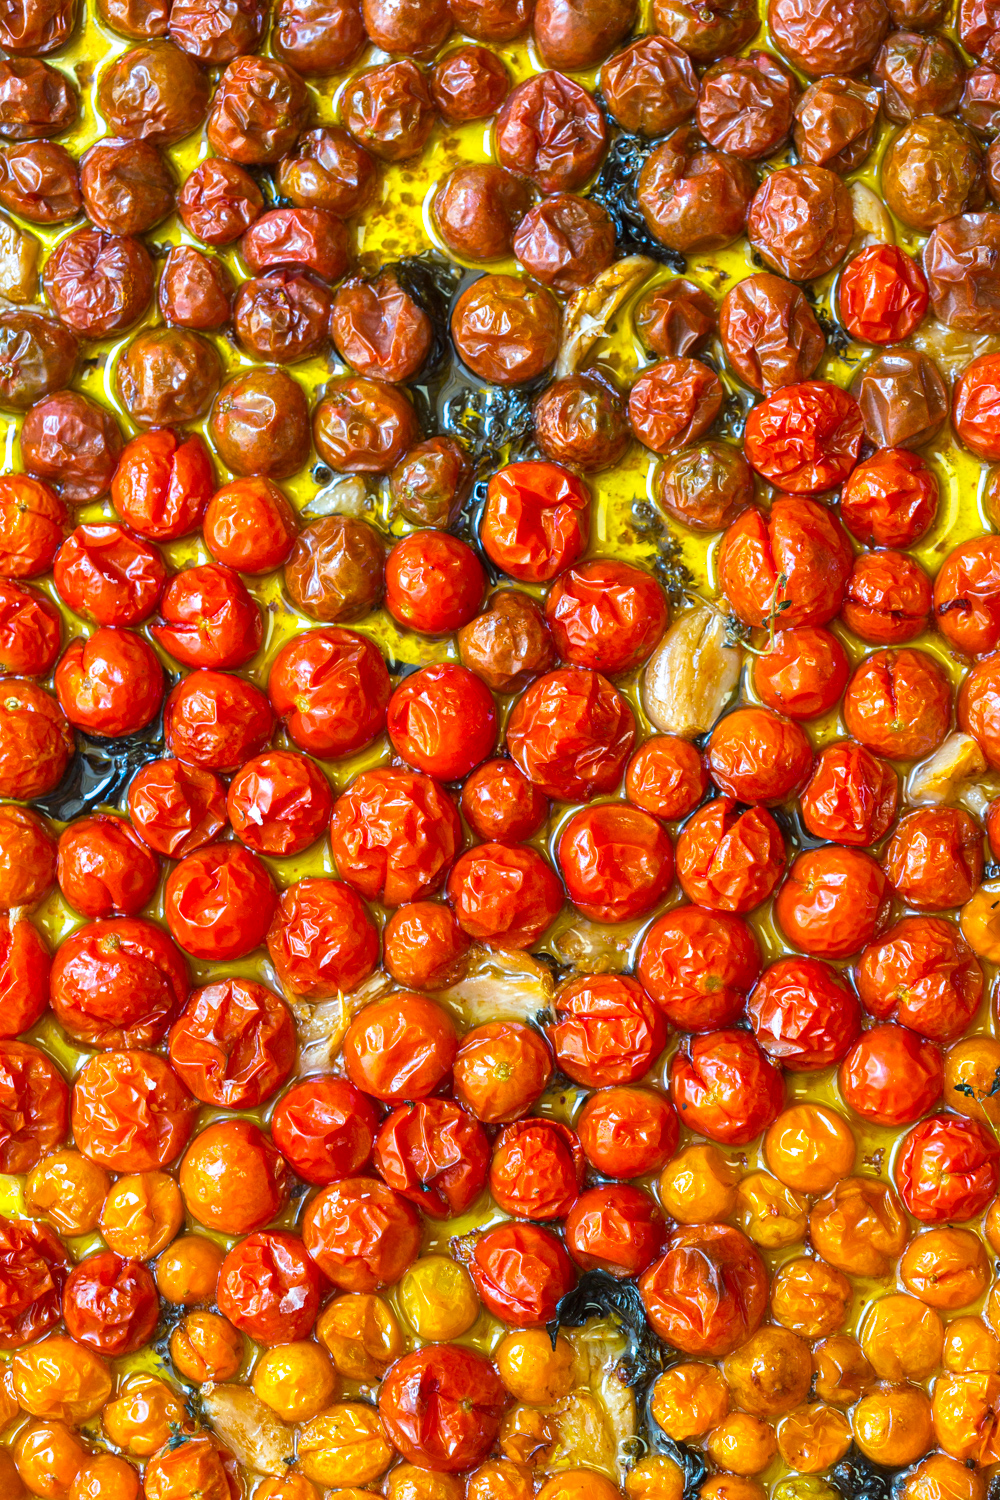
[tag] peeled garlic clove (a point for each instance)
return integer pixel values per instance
(500, 986)
(872, 224)
(691, 675)
(322, 1028)
(18, 263)
(347, 495)
(590, 310)
(254, 1434)
(939, 778)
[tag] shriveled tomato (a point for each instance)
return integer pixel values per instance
(500, 804)
(898, 704)
(118, 984)
(788, 568)
(882, 295)
(976, 407)
(571, 734)
(435, 1154)
(394, 834)
(219, 902)
(249, 525)
(805, 438)
(361, 1234)
(802, 672)
(131, 1113)
(504, 895)
(616, 861)
(175, 808)
(887, 598)
(30, 631)
(33, 1270)
(755, 755)
(536, 521)
(234, 1044)
(325, 1128)
(606, 1030)
(617, 1229)
(708, 1292)
(210, 619)
(979, 708)
(163, 484)
(33, 524)
(434, 583)
(36, 741)
(441, 1406)
(34, 1106)
(698, 966)
(935, 858)
(967, 596)
(110, 1304)
(423, 947)
(536, 1170)
(279, 803)
(106, 574)
(322, 941)
(724, 1087)
(270, 1288)
(500, 1069)
(400, 1048)
(442, 720)
(105, 867)
(803, 1014)
(947, 1168)
(729, 860)
(606, 615)
(851, 797)
(521, 1273)
(666, 777)
(891, 1076)
(24, 975)
(924, 975)
(890, 500)
(330, 688)
(110, 684)
(626, 1132)
(833, 901)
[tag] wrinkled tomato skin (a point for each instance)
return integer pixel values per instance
(504, 895)
(279, 803)
(269, 1287)
(118, 984)
(441, 1407)
(330, 688)
(234, 1044)
(615, 1229)
(967, 597)
(976, 407)
(616, 861)
(209, 619)
(803, 673)
(325, 1129)
(834, 900)
(571, 734)
(442, 720)
(537, 520)
(162, 484)
(698, 966)
(804, 1016)
(801, 543)
(105, 574)
(805, 438)
(724, 1087)
(890, 500)
(500, 1070)
(176, 809)
(322, 940)
(216, 721)
(25, 964)
(756, 756)
(34, 1106)
(551, 131)
(979, 708)
(851, 797)
(898, 704)
(219, 902)
(111, 1305)
(606, 1031)
(891, 1076)
(36, 742)
(500, 805)
(666, 777)
(130, 1111)
(30, 632)
(250, 525)
(536, 1170)
(521, 1272)
(33, 526)
(400, 1048)
(606, 615)
(708, 1292)
(626, 1132)
(922, 974)
(28, 853)
(935, 858)
(361, 1234)
(882, 295)
(947, 1169)
(33, 1270)
(434, 1154)
(887, 599)
(434, 583)
(729, 860)
(394, 835)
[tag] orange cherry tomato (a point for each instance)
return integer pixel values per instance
(754, 755)
(500, 1070)
(891, 1076)
(423, 947)
(33, 523)
(226, 1150)
(131, 1113)
(833, 901)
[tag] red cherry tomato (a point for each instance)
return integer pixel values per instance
(802, 672)
(754, 755)
(976, 407)
(209, 619)
(890, 500)
(924, 975)
(33, 523)
(521, 1273)
(106, 574)
(234, 1044)
(434, 583)
(24, 975)
(898, 704)
(724, 1087)
(947, 1169)
(110, 1304)
(110, 684)
(131, 1113)
(890, 1076)
(279, 803)
(978, 709)
(500, 1070)
(394, 835)
(729, 860)
(803, 1014)
(504, 895)
(536, 521)
(441, 1407)
(851, 797)
(33, 1270)
(330, 688)
(787, 569)
(176, 809)
(536, 1170)
(216, 721)
(36, 742)
(806, 438)
(34, 1107)
(935, 858)
(361, 1234)
(887, 598)
(833, 901)
(322, 941)
(325, 1129)
(104, 867)
(249, 525)
(423, 947)
(571, 734)
(443, 721)
(435, 1154)
(606, 1030)
(118, 984)
(967, 596)
(30, 632)
(500, 804)
(615, 1229)
(606, 615)
(708, 1292)
(270, 1288)
(219, 902)
(616, 861)
(666, 777)
(698, 966)
(400, 1048)
(882, 295)
(627, 1132)
(163, 484)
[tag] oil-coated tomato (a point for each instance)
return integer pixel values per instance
(698, 966)
(435, 1154)
(30, 631)
(434, 583)
(947, 1168)
(442, 720)
(216, 721)
(787, 569)
(500, 804)
(163, 484)
(666, 777)
(924, 975)
(24, 975)
(107, 575)
(130, 1111)
(754, 755)
(209, 618)
(724, 1087)
(898, 704)
(627, 1132)
(325, 1129)
(441, 1407)
(109, 685)
(279, 803)
(802, 672)
(571, 734)
(616, 861)
(729, 860)
(500, 1069)
(394, 834)
(806, 438)
(536, 1170)
(882, 295)
(219, 902)
(118, 984)
(833, 901)
(887, 598)
(234, 1043)
(890, 500)
(708, 1292)
(104, 867)
(361, 1234)
(967, 596)
(322, 941)
(935, 858)
(521, 1273)
(504, 895)
(400, 1048)
(617, 1229)
(34, 1106)
(176, 809)
(851, 797)
(891, 1076)
(606, 615)
(606, 1030)
(270, 1288)
(976, 407)
(330, 688)
(233, 1148)
(803, 1014)
(423, 947)
(536, 521)
(110, 1304)
(33, 1270)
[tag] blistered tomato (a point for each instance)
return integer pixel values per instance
(923, 974)
(698, 966)
(442, 720)
(606, 615)
(882, 295)
(851, 797)
(708, 1292)
(787, 569)
(330, 688)
(833, 901)
(891, 1076)
(537, 520)
(279, 803)
(724, 1087)
(219, 902)
(890, 500)
(616, 861)
(434, 583)
(803, 1014)
(802, 672)
(729, 860)
(163, 484)
(805, 438)
(110, 684)
(36, 742)
(606, 1030)
(571, 734)
(209, 618)
(947, 1169)
(504, 895)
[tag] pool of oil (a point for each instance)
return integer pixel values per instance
(400, 225)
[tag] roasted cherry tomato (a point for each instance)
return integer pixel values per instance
(216, 721)
(890, 1076)
(322, 941)
(442, 720)
(724, 1087)
(536, 521)
(176, 809)
(394, 834)
(209, 619)
(107, 575)
(279, 803)
(851, 797)
(219, 902)
(804, 1016)
(890, 500)
(923, 974)
(616, 861)
(270, 1288)
(626, 1132)
(571, 734)
(110, 1304)
(882, 295)
(805, 438)
(947, 1168)
(833, 901)
(606, 615)
(131, 1113)
(606, 1030)
(616, 1229)
(325, 1128)
(233, 1146)
(30, 632)
(708, 1292)
(105, 867)
(36, 741)
(521, 1272)
(729, 860)
(162, 484)
(109, 684)
(935, 858)
(500, 1069)
(504, 895)
(787, 569)
(802, 673)
(434, 583)
(361, 1234)
(698, 966)
(331, 690)
(234, 1044)
(435, 1154)
(898, 704)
